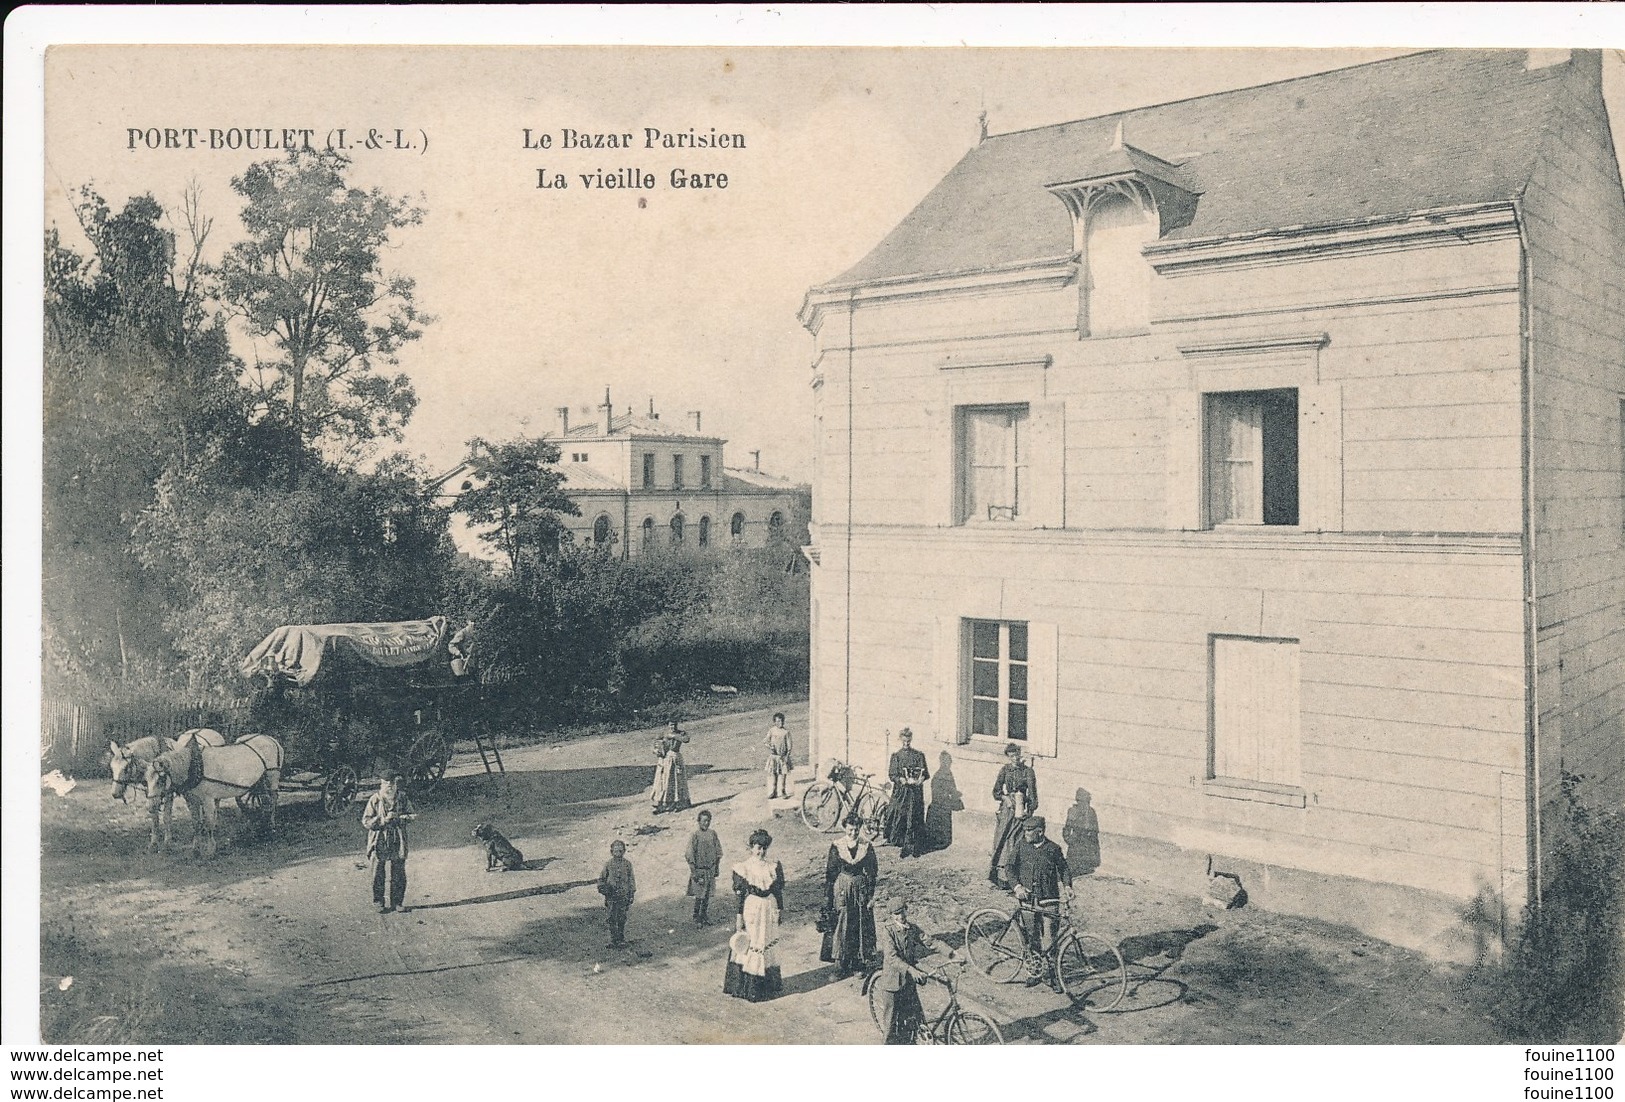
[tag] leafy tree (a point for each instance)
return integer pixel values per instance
(343, 546)
(309, 278)
(516, 495)
(138, 375)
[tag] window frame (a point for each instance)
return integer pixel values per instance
(704, 536)
(648, 527)
(677, 472)
(1219, 448)
(705, 472)
(603, 521)
(1002, 697)
(648, 470)
(736, 526)
(676, 529)
(1018, 466)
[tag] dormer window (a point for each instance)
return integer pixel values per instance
(1132, 199)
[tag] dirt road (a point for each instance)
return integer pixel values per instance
(278, 942)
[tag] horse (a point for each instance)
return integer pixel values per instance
(127, 759)
(204, 775)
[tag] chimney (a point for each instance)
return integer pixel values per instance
(606, 413)
(695, 414)
(653, 416)
(757, 456)
(564, 420)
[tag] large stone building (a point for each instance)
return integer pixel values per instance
(644, 484)
(665, 485)
(1255, 462)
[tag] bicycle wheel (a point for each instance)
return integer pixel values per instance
(872, 990)
(821, 807)
(1091, 971)
(871, 810)
(967, 1027)
(993, 944)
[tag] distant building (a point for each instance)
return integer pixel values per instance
(643, 484)
(1253, 462)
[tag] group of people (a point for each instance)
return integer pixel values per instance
(1023, 860)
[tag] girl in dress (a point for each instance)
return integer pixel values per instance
(849, 887)
(670, 792)
(753, 960)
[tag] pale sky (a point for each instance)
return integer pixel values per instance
(544, 297)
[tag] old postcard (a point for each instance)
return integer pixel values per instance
(722, 544)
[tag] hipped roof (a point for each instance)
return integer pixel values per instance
(1422, 132)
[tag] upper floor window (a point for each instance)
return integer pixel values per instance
(677, 472)
(705, 471)
(1118, 290)
(648, 470)
(992, 460)
(1252, 457)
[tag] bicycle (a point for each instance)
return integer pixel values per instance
(954, 1025)
(826, 804)
(1089, 968)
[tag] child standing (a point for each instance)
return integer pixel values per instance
(618, 887)
(778, 757)
(704, 857)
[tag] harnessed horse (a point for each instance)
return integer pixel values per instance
(204, 775)
(128, 760)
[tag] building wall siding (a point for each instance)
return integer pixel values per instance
(1574, 214)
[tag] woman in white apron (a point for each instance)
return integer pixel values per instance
(753, 958)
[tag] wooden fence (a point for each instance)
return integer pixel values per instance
(74, 735)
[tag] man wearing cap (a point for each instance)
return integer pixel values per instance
(1038, 874)
(896, 996)
(1016, 790)
(388, 811)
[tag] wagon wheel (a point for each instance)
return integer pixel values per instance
(338, 790)
(430, 755)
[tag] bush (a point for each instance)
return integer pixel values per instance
(1564, 979)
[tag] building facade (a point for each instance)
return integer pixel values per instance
(1255, 463)
(645, 485)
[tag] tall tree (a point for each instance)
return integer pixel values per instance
(138, 376)
(309, 279)
(517, 495)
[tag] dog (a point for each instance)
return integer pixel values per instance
(500, 854)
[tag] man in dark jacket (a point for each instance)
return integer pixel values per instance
(1038, 873)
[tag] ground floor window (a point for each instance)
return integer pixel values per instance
(1256, 730)
(705, 531)
(736, 528)
(602, 532)
(997, 679)
(648, 533)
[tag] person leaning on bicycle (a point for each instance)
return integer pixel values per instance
(1036, 870)
(902, 945)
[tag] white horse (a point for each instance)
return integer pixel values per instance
(129, 764)
(204, 775)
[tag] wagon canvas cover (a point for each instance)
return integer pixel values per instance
(296, 651)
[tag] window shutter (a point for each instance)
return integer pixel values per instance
(1043, 687)
(1320, 457)
(942, 481)
(1045, 504)
(949, 690)
(1185, 460)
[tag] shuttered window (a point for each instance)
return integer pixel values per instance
(992, 463)
(1252, 464)
(1256, 728)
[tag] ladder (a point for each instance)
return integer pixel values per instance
(486, 743)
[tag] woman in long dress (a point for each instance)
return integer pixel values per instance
(849, 893)
(670, 792)
(1016, 790)
(753, 957)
